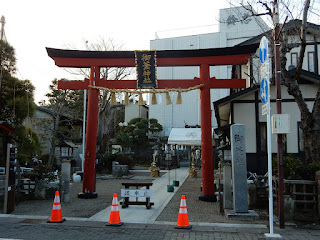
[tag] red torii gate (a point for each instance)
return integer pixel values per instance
(204, 58)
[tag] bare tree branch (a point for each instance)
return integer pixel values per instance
(303, 38)
(265, 5)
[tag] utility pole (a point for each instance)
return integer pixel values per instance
(276, 41)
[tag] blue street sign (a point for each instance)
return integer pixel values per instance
(263, 49)
(264, 90)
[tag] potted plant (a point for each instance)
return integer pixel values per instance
(193, 170)
(154, 169)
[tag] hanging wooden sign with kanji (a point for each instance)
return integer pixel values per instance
(146, 64)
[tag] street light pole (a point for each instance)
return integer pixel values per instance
(279, 111)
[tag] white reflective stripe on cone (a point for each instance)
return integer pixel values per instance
(114, 209)
(183, 203)
(56, 207)
(56, 199)
(114, 201)
(183, 210)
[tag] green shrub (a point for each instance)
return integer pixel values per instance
(44, 172)
(105, 163)
(135, 136)
(135, 120)
(294, 168)
(141, 125)
(125, 160)
(144, 158)
(155, 127)
(312, 168)
(153, 120)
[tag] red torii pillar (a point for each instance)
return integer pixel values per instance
(202, 58)
(206, 136)
(88, 188)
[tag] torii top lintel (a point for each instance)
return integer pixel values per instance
(213, 56)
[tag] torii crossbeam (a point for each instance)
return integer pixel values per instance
(203, 58)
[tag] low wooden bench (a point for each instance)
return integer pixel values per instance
(136, 192)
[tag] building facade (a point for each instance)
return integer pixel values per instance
(43, 123)
(135, 111)
(231, 109)
(232, 31)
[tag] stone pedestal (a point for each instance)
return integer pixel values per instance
(154, 174)
(65, 180)
(239, 168)
(40, 189)
(227, 188)
(193, 174)
(119, 170)
(250, 215)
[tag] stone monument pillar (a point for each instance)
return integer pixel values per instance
(239, 168)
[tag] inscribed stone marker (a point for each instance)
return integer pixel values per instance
(239, 168)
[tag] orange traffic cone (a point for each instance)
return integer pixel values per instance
(114, 219)
(183, 221)
(56, 215)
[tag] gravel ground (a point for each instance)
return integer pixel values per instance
(198, 211)
(77, 207)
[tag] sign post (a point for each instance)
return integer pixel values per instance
(9, 191)
(264, 91)
(265, 99)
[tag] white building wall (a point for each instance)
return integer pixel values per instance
(189, 111)
(292, 109)
(135, 111)
(245, 114)
(230, 21)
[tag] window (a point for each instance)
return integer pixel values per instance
(311, 61)
(64, 152)
(263, 136)
(294, 59)
(284, 143)
(300, 138)
(264, 139)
